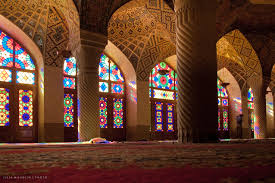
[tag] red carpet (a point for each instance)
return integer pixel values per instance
(152, 163)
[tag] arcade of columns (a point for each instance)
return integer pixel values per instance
(196, 62)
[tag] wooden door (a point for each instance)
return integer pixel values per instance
(116, 112)
(163, 120)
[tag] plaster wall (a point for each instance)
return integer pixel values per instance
(54, 97)
(143, 126)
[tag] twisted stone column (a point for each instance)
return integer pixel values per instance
(92, 46)
(197, 70)
(260, 112)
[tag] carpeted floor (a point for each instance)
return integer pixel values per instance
(138, 162)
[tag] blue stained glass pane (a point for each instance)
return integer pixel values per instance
(6, 50)
(103, 87)
(70, 66)
(103, 70)
(117, 88)
(69, 82)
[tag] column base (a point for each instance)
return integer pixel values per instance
(206, 137)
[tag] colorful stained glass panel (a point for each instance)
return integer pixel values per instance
(6, 50)
(163, 81)
(170, 117)
(118, 113)
(115, 74)
(250, 105)
(4, 107)
(70, 66)
(162, 94)
(219, 101)
(25, 77)
(103, 87)
(225, 119)
(176, 81)
(5, 75)
(250, 95)
(117, 88)
(103, 112)
(68, 110)
(222, 92)
(219, 120)
(22, 59)
(224, 102)
(103, 70)
(69, 82)
(158, 116)
(252, 119)
(25, 108)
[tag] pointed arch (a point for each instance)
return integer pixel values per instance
(247, 54)
(234, 90)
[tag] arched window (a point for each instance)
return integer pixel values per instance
(223, 110)
(251, 114)
(18, 114)
(70, 99)
(163, 94)
(112, 100)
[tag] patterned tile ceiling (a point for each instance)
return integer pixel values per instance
(52, 24)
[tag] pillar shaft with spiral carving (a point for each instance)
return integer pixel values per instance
(260, 112)
(92, 46)
(197, 70)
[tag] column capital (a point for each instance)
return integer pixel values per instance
(92, 39)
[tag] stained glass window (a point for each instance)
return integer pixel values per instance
(25, 108)
(69, 82)
(103, 70)
(4, 107)
(111, 88)
(250, 103)
(118, 113)
(163, 94)
(223, 104)
(69, 110)
(5, 75)
(158, 116)
(117, 88)
(225, 119)
(219, 119)
(103, 112)
(70, 93)
(252, 119)
(17, 69)
(25, 77)
(115, 73)
(103, 87)
(250, 98)
(170, 117)
(70, 66)
(22, 59)
(6, 50)
(163, 81)
(163, 86)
